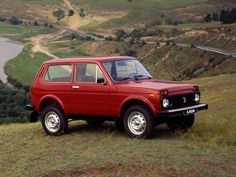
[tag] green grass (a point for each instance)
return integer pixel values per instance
(23, 68)
(208, 149)
(125, 5)
(20, 32)
(138, 11)
(43, 1)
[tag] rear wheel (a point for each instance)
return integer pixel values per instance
(53, 121)
(138, 122)
(181, 122)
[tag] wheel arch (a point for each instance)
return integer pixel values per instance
(136, 101)
(50, 100)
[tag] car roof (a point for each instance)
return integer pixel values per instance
(85, 59)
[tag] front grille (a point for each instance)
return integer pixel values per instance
(180, 101)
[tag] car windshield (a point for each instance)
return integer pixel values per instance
(121, 70)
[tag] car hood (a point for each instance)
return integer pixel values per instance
(171, 86)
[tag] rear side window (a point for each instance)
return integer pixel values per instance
(58, 73)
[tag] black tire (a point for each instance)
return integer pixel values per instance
(181, 122)
(57, 114)
(142, 113)
(95, 123)
(119, 124)
(188, 122)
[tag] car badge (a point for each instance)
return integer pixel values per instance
(184, 99)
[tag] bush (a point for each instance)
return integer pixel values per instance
(2, 19)
(59, 14)
(51, 26)
(131, 53)
(36, 23)
(14, 21)
(109, 38)
(120, 34)
(12, 104)
(81, 12)
(71, 13)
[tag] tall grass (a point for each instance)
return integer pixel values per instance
(208, 149)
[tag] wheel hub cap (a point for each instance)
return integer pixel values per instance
(137, 123)
(52, 121)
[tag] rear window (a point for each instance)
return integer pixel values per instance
(58, 73)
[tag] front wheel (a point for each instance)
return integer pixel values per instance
(53, 121)
(138, 122)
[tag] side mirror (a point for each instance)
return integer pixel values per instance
(100, 80)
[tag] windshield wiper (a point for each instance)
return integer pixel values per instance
(136, 77)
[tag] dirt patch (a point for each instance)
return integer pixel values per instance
(195, 33)
(38, 43)
(91, 16)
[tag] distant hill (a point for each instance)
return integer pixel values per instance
(105, 14)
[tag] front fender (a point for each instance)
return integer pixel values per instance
(142, 99)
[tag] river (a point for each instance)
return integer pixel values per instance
(8, 50)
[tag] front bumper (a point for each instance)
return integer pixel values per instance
(182, 111)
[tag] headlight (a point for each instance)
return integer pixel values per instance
(165, 103)
(197, 98)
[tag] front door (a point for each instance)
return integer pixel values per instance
(90, 93)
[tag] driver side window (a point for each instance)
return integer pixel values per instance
(88, 73)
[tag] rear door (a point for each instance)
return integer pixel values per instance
(90, 91)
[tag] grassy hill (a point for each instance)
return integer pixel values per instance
(208, 149)
(107, 15)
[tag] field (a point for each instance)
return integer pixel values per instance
(206, 150)
(20, 32)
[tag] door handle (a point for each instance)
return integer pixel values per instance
(75, 87)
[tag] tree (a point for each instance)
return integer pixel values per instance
(81, 12)
(15, 21)
(51, 26)
(59, 13)
(207, 18)
(215, 17)
(120, 34)
(136, 33)
(131, 53)
(2, 19)
(71, 12)
(36, 23)
(223, 16)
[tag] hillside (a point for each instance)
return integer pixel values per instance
(206, 150)
(103, 15)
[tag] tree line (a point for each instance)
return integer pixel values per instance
(225, 16)
(12, 104)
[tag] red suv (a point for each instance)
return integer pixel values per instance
(116, 89)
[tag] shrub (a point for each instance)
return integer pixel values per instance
(120, 34)
(36, 23)
(15, 21)
(2, 19)
(71, 12)
(59, 14)
(81, 12)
